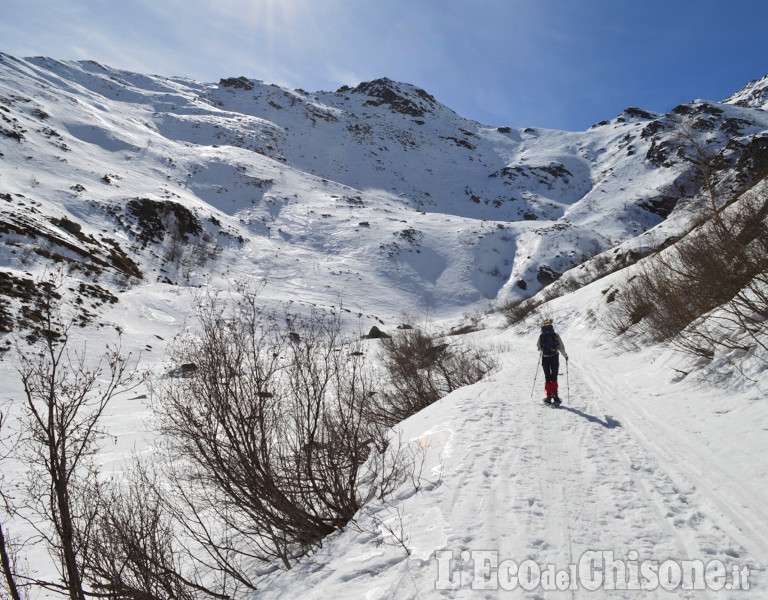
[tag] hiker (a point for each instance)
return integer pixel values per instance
(551, 346)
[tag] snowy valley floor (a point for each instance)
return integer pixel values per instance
(633, 463)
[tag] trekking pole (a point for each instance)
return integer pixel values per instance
(533, 389)
(568, 380)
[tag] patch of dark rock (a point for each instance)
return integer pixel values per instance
(653, 128)
(14, 134)
(459, 142)
(386, 92)
(754, 158)
(659, 154)
(154, 218)
(376, 334)
(240, 83)
(69, 226)
(545, 276)
(662, 206)
(733, 126)
(638, 113)
(31, 296)
(682, 109)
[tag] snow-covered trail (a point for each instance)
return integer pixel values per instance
(716, 465)
(516, 480)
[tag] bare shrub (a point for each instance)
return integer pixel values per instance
(8, 550)
(107, 540)
(422, 367)
(10, 570)
(134, 550)
(515, 311)
(65, 395)
(595, 267)
(268, 435)
(709, 288)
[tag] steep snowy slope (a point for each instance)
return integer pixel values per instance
(752, 95)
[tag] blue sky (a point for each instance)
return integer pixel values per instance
(559, 64)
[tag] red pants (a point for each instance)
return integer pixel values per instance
(551, 388)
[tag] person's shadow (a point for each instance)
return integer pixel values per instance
(608, 423)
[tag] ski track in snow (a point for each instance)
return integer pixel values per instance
(570, 480)
(675, 445)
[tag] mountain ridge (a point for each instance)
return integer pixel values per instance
(752, 95)
(261, 168)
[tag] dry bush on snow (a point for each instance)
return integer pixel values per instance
(709, 288)
(271, 430)
(422, 367)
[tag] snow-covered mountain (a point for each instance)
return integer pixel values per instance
(146, 188)
(155, 179)
(752, 95)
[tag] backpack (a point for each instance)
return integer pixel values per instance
(547, 340)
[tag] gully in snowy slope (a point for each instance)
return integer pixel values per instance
(551, 346)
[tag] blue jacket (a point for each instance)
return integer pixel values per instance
(560, 347)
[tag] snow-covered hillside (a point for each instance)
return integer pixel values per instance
(378, 187)
(146, 189)
(752, 95)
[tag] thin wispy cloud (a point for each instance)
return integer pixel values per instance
(550, 63)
